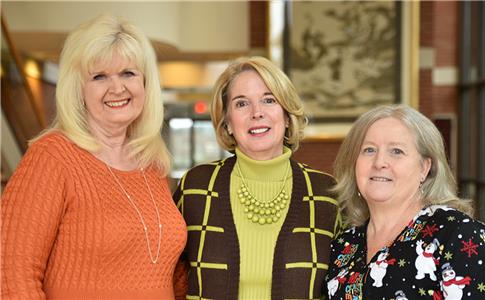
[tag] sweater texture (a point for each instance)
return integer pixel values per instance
(265, 179)
(213, 253)
(69, 231)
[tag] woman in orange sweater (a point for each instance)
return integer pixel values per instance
(88, 212)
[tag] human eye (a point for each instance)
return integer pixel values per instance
(368, 150)
(396, 151)
(128, 73)
(269, 100)
(99, 76)
(240, 103)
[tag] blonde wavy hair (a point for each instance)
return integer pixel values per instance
(98, 40)
(439, 186)
(276, 81)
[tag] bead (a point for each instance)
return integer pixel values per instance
(262, 212)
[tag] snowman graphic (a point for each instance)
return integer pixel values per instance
(378, 268)
(400, 295)
(426, 262)
(452, 285)
(333, 284)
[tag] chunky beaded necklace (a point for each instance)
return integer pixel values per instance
(258, 211)
(142, 220)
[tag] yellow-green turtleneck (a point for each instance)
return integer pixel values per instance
(257, 242)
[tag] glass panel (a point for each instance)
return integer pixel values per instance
(206, 148)
(179, 145)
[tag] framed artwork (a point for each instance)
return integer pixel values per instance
(345, 57)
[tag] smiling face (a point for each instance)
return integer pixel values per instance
(389, 168)
(254, 117)
(114, 94)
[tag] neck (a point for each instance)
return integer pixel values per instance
(385, 218)
(263, 170)
(386, 222)
(114, 150)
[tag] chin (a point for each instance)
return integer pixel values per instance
(378, 198)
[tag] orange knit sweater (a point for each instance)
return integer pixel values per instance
(69, 232)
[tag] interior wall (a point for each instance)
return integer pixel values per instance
(188, 25)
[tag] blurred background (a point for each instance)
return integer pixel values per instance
(343, 56)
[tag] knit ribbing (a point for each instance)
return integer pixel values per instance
(257, 242)
(69, 231)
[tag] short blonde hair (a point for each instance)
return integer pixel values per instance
(439, 186)
(276, 81)
(98, 40)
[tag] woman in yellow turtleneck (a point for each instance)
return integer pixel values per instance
(259, 223)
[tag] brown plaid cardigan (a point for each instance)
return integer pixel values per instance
(302, 249)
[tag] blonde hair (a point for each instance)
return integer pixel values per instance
(276, 81)
(98, 40)
(439, 187)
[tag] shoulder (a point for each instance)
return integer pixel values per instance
(204, 172)
(54, 140)
(314, 174)
(57, 148)
(452, 222)
(446, 214)
(319, 182)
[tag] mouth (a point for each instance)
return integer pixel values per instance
(380, 179)
(117, 103)
(259, 130)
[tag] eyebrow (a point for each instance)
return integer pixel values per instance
(242, 96)
(366, 142)
(103, 70)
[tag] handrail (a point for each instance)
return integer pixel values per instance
(18, 61)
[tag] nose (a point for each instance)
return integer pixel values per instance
(380, 160)
(257, 112)
(116, 85)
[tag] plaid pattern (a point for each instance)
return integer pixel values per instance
(212, 252)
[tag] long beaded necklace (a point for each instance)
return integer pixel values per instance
(258, 211)
(145, 228)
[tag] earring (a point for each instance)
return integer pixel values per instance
(358, 194)
(421, 187)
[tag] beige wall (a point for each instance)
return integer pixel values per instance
(200, 26)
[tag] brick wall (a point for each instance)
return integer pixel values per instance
(318, 153)
(439, 57)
